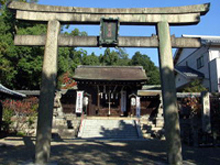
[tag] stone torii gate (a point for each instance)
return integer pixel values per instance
(162, 18)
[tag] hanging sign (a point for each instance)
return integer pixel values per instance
(85, 101)
(79, 102)
(123, 101)
(133, 101)
(109, 31)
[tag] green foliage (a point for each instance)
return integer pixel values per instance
(120, 58)
(7, 70)
(123, 57)
(76, 32)
(151, 70)
(19, 133)
(90, 60)
(7, 115)
(109, 57)
(20, 67)
(195, 86)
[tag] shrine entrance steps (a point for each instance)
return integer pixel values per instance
(110, 129)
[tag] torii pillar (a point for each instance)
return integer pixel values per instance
(172, 128)
(47, 93)
(162, 18)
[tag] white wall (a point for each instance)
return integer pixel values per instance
(180, 80)
(214, 53)
(192, 60)
(185, 53)
(211, 66)
(218, 72)
(214, 74)
(214, 58)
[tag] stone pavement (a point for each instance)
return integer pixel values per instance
(18, 150)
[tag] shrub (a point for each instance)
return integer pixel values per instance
(18, 114)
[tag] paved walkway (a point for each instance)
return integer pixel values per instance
(14, 150)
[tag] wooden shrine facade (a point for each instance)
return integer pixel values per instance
(108, 88)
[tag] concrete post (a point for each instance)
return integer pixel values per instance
(172, 128)
(206, 123)
(47, 93)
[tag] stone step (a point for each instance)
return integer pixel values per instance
(152, 130)
(108, 129)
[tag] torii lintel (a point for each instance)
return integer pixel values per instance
(183, 15)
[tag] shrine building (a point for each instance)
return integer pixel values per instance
(108, 90)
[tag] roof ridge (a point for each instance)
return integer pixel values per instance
(110, 73)
(90, 66)
(202, 36)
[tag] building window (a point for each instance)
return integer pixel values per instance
(200, 62)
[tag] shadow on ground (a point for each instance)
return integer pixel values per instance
(151, 152)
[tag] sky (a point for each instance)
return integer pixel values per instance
(209, 24)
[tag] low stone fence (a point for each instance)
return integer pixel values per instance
(200, 119)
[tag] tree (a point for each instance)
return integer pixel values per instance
(21, 66)
(195, 86)
(70, 58)
(123, 57)
(151, 70)
(90, 60)
(109, 58)
(66, 82)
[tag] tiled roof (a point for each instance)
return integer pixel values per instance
(189, 72)
(213, 40)
(30, 92)
(3, 89)
(111, 73)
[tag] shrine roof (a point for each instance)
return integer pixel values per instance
(188, 72)
(110, 73)
(10, 92)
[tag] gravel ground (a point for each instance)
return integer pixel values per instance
(20, 151)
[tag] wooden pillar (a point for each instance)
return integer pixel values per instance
(172, 128)
(109, 102)
(98, 97)
(47, 93)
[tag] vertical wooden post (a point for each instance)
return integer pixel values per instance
(109, 103)
(98, 98)
(47, 93)
(172, 128)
